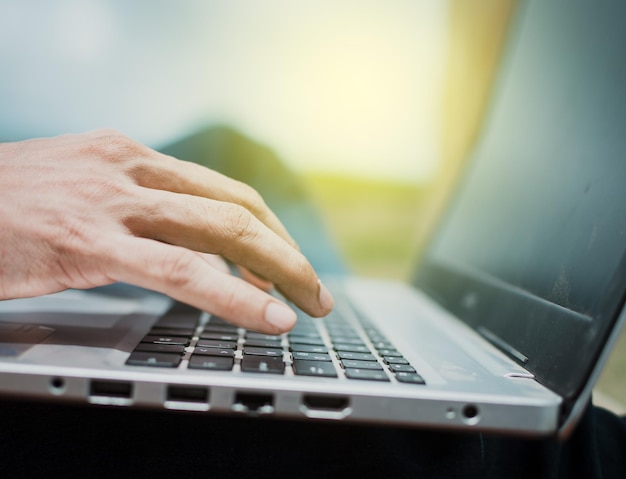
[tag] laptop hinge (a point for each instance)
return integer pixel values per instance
(520, 375)
(502, 345)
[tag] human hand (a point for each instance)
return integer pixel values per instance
(80, 211)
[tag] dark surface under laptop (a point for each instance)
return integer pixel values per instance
(532, 254)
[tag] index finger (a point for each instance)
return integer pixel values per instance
(231, 231)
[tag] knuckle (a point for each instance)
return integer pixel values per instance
(115, 147)
(301, 267)
(236, 221)
(250, 198)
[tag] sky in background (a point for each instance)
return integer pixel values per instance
(333, 86)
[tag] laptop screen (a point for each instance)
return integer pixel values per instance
(533, 251)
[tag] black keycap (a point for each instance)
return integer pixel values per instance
(405, 368)
(213, 363)
(310, 356)
(308, 348)
(223, 329)
(255, 351)
(366, 374)
(218, 324)
(314, 368)
(389, 352)
(395, 360)
(214, 352)
(263, 343)
(293, 335)
(352, 348)
(270, 337)
(165, 340)
(159, 360)
(306, 340)
(344, 340)
(262, 364)
(182, 308)
(220, 336)
(187, 333)
(358, 356)
(383, 345)
(216, 320)
(211, 343)
(410, 378)
(160, 348)
(342, 332)
(353, 363)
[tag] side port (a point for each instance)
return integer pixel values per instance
(187, 398)
(117, 393)
(470, 414)
(188, 394)
(253, 404)
(325, 406)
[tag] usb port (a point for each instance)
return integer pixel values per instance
(188, 394)
(111, 389)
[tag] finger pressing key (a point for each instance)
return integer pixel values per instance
(229, 230)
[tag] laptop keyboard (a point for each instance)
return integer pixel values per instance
(330, 347)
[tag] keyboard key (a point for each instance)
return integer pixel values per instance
(263, 343)
(395, 360)
(389, 352)
(405, 368)
(166, 340)
(211, 343)
(255, 351)
(213, 363)
(187, 333)
(358, 356)
(304, 333)
(220, 336)
(412, 378)
(314, 368)
(310, 356)
(218, 324)
(160, 360)
(383, 345)
(352, 341)
(270, 337)
(226, 352)
(353, 363)
(352, 348)
(366, 374)
(306, 340)
(160, 348)
(308, 348)
(342, 332)
(224, 329)
(262, 364)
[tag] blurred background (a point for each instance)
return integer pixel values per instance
(375, 104)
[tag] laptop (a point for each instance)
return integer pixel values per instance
(504, 328)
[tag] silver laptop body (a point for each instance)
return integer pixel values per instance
(510, 316)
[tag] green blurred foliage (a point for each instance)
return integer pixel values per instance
(373, 223)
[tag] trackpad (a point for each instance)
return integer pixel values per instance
(15, 338)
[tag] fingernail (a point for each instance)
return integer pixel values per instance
(280, 316)
(325, 298)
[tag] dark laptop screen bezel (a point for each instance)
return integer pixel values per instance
(558, 345)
